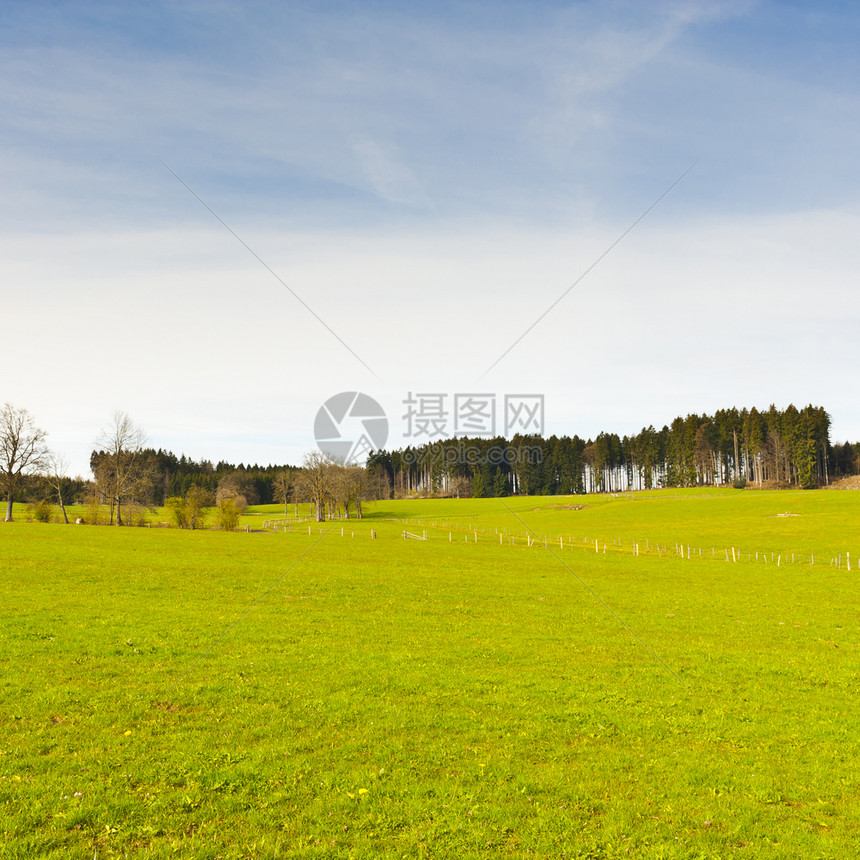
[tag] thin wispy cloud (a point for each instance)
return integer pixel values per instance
(514, 114)
(386, 173)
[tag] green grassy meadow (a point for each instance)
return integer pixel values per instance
(169, 693)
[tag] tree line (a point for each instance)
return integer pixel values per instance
(128, 474)
(129, 478)
(774, 448)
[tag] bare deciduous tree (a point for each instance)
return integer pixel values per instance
(57, 479)
(353, 486)
(235, 485)
(284, 488)
(460, 486)
(121, 471)
(315, 481)
(379, 484)
(22, 451)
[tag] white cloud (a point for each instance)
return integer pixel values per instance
(387, 175)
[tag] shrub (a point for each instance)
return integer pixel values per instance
(134, 514)
(95, 512)
(42, 512)
(197, 499)
(228, 514)
(189, 513)
(175, 508)
(237, 483)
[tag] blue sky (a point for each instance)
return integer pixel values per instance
(429, 179)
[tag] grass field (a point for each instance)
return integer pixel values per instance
(170, 693)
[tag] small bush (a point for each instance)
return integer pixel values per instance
(228, 514)
(42, 512)
(197, 499)
(189, 513)
(95, 512)
(175, 508)
(740, 483)
(134, 514)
